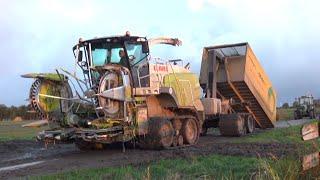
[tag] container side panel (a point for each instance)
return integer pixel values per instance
(260, 85)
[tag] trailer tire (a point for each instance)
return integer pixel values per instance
(232, 125)
(250, 124)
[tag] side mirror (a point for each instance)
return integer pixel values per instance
(80, 55)
(145, 47)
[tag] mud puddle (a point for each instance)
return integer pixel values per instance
(27, 151)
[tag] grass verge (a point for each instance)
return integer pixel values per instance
(209, 167)
(288, 113)
(10, 130)
(290, 134)
(285, 114)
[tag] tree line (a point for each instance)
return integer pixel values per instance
(10, 113)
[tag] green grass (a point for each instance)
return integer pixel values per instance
(281, 135)
(10, 130)
(284, 135)
(288, 113)
(209, 167)
(286, 168)
(285, 114)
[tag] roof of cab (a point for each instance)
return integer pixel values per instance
(107, 39)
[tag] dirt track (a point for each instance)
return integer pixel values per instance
(61, 158)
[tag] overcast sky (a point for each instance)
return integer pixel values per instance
(37, 36)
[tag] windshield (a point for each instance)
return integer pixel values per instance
(104, 53)
(134, 52)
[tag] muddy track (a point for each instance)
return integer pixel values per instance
(66, 157)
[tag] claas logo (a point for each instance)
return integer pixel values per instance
(160, 68)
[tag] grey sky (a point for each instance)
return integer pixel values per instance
(37, 36)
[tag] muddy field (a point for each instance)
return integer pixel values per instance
(27, 157)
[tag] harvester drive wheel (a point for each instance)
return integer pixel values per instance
(166, 133)
(250, 124)
(232, 125)
(160, 134)
(190, 131)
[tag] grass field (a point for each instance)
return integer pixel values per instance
(204, 167)
(287, 113)
(10, 130)
(281, 135)
(209, 167)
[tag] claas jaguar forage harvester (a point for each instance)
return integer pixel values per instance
(125, 95)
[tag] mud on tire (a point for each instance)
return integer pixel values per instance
(190, 131)
(160, 134)
(232, 125)
(249, 123)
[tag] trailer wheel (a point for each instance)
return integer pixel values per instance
(250, 124)
(232, 125)
(190, 131)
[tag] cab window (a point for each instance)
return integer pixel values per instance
(115, 57)
(134, 50)
(99, 56)
(105, 53)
